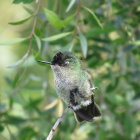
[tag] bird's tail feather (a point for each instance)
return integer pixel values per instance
(87, 113)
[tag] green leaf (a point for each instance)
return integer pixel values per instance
(56, 37)
(21, 21)
(70, 5)
(27, 132)
(13, 41)
(1, 128)
(83, 42)
(19, 62)
(114, 99)
(137, 42)
(17, 77)
(67, 20)
(29, 10)
(71, 45)
(15, 120)
(38, 41)
(23, 1)
(8, 80)
(129, 125)
(94, 16)
(102, 134)
(53, 19)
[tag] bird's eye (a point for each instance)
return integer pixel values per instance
(67, 62)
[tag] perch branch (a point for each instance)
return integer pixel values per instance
(51, 134)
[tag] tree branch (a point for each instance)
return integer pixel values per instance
(51, 134)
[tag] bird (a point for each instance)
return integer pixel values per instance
(73, 85)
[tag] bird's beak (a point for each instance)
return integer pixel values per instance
(44, 62)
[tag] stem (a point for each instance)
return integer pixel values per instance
(34, 25)
(77, 14)
(51, 134)
(78, 8)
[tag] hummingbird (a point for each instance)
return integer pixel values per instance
(74, 86)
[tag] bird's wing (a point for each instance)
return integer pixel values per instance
(85, 89)
(92, 87)
(82, 95)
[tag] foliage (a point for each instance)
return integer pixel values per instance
(22, 1)
(105, 34)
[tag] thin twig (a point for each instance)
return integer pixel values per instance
(77, 14)
(51, 134)
(78, 9)
(34, 25)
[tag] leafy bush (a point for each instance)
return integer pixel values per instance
(105, 35)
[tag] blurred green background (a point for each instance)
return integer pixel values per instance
(104, 34)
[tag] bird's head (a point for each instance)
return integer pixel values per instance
(64, 60)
